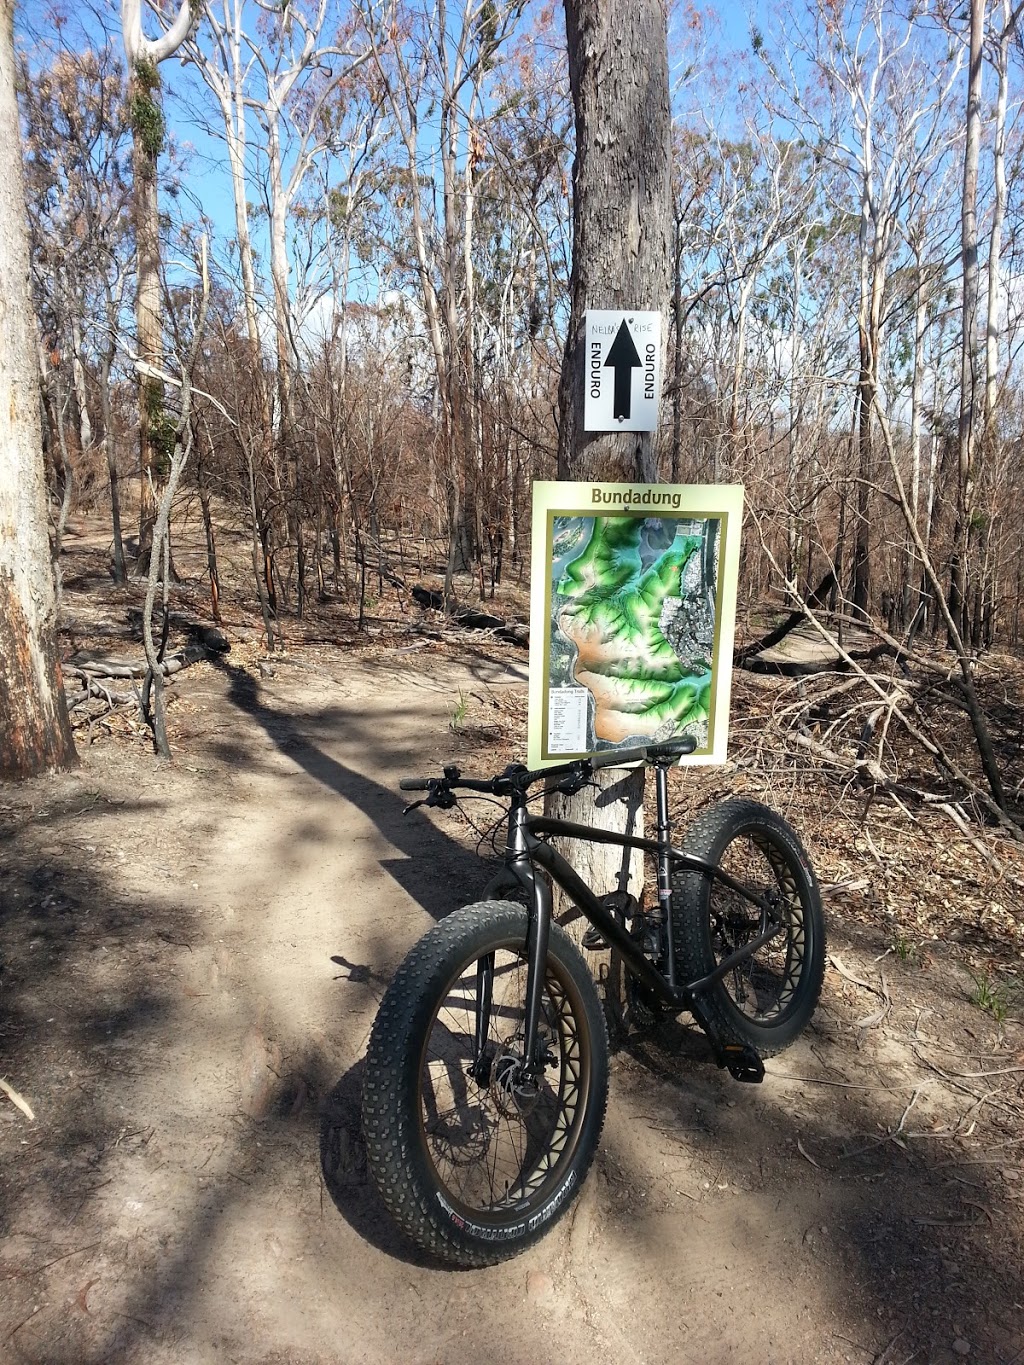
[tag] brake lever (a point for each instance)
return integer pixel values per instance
(441, 796)
(569, 786)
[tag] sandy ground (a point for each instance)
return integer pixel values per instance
(192, 955)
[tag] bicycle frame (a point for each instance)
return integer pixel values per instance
(527, 849)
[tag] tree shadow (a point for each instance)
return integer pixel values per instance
(344, 1169)
(435, 870)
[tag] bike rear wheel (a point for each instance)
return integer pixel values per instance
(767, 1000)
(471, 1163)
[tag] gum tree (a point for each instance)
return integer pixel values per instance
(35, 733)
(621, 258)
(156, 427)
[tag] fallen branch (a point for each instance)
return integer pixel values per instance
(18, 1101)
(869, 1020)
(124, 668)
(470, 619)
(773, 637)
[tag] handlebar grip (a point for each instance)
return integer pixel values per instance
(414, 784)
(617, 758)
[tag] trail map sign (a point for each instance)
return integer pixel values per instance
(633, 611)
(623, 360)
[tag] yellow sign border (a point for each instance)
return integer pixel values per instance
(675, 501)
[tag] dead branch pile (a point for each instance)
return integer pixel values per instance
(903, 731)
(515, 632)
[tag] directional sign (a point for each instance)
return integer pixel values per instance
(623, 370)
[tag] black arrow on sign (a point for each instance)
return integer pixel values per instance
(624, 358)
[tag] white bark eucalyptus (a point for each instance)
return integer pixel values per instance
(961, 578)
(35, 733)
(289, 71)
(156, 429)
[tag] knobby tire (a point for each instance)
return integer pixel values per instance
(473, 1170)
(768, 1000)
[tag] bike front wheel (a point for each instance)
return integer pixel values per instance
(473, 1160)
(767, 1000)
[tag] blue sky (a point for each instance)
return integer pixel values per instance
(189, 109)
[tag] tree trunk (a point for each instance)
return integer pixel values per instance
(146, 141)
(106, 408)
(998, 215)
(35, 733)
(156, 432)
(622, 254)
(622, 206)
(959, 581)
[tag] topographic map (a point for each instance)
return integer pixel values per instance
(632, 627)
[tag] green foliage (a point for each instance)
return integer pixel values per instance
(904, 948)
(144, 111)
(991, 995)
(487, 33)
(458, 712)
(147, 75)
(163, 430)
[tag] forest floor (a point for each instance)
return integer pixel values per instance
(191, 955)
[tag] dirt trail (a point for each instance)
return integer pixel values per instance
(194, 1189)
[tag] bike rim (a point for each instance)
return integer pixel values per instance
(494, 1155)
(762, 989)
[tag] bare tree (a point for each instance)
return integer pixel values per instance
(290, 76)
(880, 117)
(156, 426)
(73, 107)
(443, 69)
(35, 733)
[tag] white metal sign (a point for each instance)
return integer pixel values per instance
(623, 370)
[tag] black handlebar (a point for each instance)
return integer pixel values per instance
(517, 778)
(614, 758)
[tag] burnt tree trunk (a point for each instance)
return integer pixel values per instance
(35, 734)
(622, 255)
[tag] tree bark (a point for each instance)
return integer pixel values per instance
(622, 258)
(144, 56)
(960, 569)
(622, 206)
(149, 335)
(35, 733)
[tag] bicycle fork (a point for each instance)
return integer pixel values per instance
(537, 935)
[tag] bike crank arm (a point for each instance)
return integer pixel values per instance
(739, 1059)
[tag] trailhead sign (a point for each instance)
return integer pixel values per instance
(632, 616)
(623, 379)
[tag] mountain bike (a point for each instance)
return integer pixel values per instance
(486, 1076)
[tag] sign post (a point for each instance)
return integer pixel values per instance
(623, 378)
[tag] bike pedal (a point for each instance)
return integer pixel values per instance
(594, 941)
(743, 1063)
